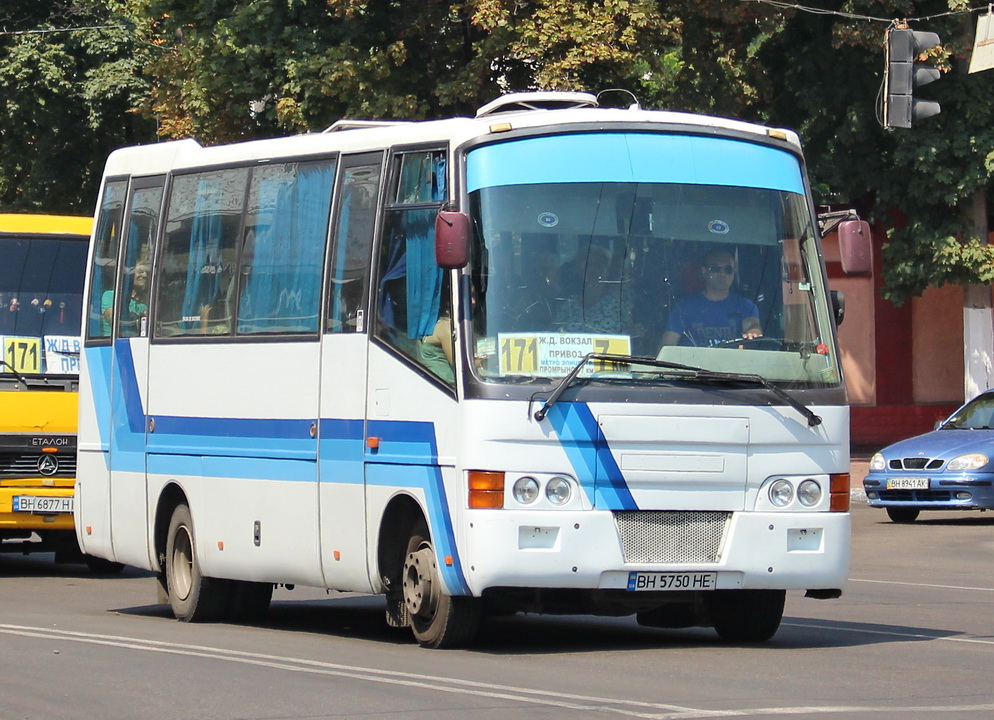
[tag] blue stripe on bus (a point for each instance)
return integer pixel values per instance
(591, 458)
(633, 158)
(271, 449)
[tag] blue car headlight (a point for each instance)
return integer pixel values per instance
(972, 461)
(877, 462)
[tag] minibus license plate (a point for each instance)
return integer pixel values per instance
(43, 505)
(907, 483)
(639, 581)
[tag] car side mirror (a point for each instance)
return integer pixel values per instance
(451, 239)
(855, 247)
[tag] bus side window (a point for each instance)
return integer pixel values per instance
(410, 290)
(351, 250)
(281, 262)
(107, 241)
(143, 226)
(195, 289)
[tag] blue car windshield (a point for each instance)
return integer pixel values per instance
(975, 415)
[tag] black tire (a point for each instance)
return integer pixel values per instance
(745, 615)
(903, 516)
(438, 620)
(99, 566)
(249, 601)
(192, 596)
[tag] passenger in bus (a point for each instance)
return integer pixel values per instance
(716, 314)
(137, 307)
(436, 351)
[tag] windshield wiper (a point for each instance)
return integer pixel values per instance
(14, 372)
(687, 372)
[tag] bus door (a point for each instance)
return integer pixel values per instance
(413, 419)
(93, 457)
(344, 355)
(129, 362)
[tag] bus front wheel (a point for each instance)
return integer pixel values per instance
(745, 615)
(439, 620)
(192, 596)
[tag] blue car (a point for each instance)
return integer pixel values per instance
(950, 468)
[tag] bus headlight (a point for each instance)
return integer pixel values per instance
(558, 491)
(525, 490)
(781, 493)
(809, 493)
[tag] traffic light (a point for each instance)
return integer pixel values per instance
(903, 76)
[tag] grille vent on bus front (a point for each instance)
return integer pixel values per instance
(17, 465)
(685, 536)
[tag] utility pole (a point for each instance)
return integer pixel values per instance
(978, 314)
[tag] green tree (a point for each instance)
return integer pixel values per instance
(923, 183)
(66, 100)
(304, 65)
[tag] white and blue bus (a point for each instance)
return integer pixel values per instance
(440, 361)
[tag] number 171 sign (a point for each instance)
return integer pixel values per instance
(22, 354)
(548, 355)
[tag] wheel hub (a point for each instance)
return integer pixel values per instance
(420, 592)
(181, 577)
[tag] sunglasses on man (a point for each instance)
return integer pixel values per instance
(715, 269)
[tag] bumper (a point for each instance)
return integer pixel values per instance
(954, 492)
(583, 550)
(11, 520)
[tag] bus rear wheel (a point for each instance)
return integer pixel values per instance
(192, 596)
(745, 615)
(438, 620)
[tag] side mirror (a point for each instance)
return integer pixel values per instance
(451, 239)
(855, 247)
(838, 306)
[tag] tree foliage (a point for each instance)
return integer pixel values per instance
(66, 100)
(223, 70)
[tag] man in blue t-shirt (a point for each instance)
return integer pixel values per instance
(714, 315)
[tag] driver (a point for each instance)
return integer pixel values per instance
(716, 314)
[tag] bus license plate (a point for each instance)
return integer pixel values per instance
(638, 581)
(42, 505)
(907, 483)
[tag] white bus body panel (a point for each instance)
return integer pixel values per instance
(234, 426)
(92, 511)
(417, 424)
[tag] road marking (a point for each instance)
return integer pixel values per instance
(583, 703)
(890, 633)
(921, 585)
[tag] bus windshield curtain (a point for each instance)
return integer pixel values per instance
(283, 290)
(205, 253)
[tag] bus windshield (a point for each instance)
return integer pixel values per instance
(695, 250)
(41, 290)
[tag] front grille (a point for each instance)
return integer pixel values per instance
(916, 495)
(25, 465)
(686, 536)
(915, 463)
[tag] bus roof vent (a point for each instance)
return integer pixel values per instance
(516, 102)
(340, 125)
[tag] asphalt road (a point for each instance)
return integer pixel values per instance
(912, 637)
